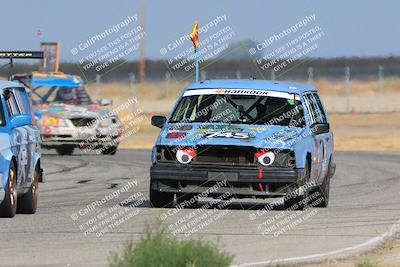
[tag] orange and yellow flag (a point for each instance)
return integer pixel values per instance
(194, 36)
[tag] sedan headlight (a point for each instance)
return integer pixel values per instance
(265, 158)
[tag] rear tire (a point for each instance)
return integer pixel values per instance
(160, 199)
(65, 150)
(27, 204)
(8, 207)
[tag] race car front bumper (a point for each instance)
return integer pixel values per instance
(53, 141)
(242, 181)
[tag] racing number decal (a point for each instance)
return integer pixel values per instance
(234, 135)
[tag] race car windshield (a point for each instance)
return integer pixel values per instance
(239, 109)
(60, 94)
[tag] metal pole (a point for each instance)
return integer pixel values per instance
(347, 87)
(272, 75)
(197, 65)
(142, 56)
(238, 74)
(132, 83)
(310, 74)
(381, 79)
(167, 83)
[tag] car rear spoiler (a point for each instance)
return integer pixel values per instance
(19, 55)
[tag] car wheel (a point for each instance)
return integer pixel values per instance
(8, 207)
(109, 150)
(161, 199)
(189, 199)
(322, 199)
(28, 203)
(299, 202)
(65, 150)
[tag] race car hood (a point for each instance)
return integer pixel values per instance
(65, 111)
(259, 136)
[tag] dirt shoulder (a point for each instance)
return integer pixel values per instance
(352, 132)
(388, 255)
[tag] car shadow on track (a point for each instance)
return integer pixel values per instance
(223, 205)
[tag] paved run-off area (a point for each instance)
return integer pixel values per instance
(364, 205)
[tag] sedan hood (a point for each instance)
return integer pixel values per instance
(65, 111)
(259, 136)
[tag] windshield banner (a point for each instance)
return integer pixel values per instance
(240, 92)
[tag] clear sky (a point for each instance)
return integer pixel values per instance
(352, 28)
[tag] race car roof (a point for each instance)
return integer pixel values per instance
(279, 86)
(55, 79)
(8, 84)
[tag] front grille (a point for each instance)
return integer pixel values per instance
(83, 122)
(227, 155)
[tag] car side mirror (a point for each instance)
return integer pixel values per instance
(320, 128)
(105, 102)
(20, 120)
(158, 121)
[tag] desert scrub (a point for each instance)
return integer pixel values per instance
(159, 248)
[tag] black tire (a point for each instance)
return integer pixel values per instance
(109, 150)
(65, 150)
(181, 198)
(299, 202)
(27, 204)
(8, 207)
(322, 199)
(161, 199)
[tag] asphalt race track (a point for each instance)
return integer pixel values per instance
(364, 208)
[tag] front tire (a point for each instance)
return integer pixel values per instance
(65, 150)
(299, 202)
(28, 203)
(160, 199)
(8, 207)
(109, 150)
(323, 193)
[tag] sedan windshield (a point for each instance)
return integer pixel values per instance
(239, 109)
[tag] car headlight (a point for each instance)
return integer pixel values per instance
(51, 121)
(185, 156)
(265, 158)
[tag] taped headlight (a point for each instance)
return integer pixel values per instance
(265, 158)
(185, 156)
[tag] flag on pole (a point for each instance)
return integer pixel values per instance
(194, 36)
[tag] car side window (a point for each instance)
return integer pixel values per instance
(320, 107)
(12, 106)
(311, 109)
(22, 100)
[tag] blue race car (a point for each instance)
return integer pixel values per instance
(245, 139)
(20, 169)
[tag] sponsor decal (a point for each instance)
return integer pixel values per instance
(255, 92)
(233, 135)
(220, 128)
